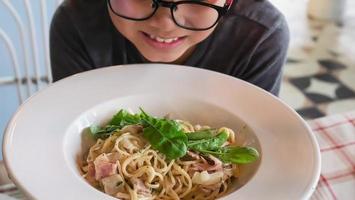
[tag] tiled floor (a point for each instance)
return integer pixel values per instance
(320, 71)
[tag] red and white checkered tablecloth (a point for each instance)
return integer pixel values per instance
(336, 138)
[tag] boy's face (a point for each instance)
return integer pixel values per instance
(158, 38)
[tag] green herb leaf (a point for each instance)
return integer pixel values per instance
(94, 129)
(168, 137)
(209, 144)
(202, 134)
(240, 155)
(103, 133)
(123, 118)
(164, 135)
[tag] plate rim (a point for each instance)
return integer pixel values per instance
(11, 124)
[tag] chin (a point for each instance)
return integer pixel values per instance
(161, 59)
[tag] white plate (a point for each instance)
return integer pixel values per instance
(43, 139)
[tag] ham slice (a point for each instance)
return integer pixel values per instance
(139, 186)
(103, 167)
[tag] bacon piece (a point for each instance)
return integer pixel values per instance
(217, 165)
(103, 167)
(140, 187)
(210, 164)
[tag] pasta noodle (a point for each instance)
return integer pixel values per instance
(125, 166)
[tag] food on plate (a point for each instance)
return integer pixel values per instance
(138, 156)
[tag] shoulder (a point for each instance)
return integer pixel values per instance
(251, 22)
(258, 12)
(82, 7)
(82, 14)
(85, 25)
(252, 31)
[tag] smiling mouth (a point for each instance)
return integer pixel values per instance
(163, 40)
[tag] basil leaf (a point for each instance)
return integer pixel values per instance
(168, 137)
(123, 118)
(94, 129)
(240, 155)
(164, 135)
(209, 144)
(103, 133)
(202, 134)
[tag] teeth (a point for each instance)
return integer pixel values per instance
(169, 40)
(159, 39)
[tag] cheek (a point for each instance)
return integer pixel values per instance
(217, 2)
(124, 26)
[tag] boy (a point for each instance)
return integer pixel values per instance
(247, 39)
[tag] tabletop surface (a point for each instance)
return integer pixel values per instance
(336, 138)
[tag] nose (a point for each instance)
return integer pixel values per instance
(162, 20)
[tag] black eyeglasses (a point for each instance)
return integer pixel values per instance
(191, 15)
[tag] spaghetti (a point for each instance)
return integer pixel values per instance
(125, 166)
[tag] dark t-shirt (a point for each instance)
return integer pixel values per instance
(249, 43)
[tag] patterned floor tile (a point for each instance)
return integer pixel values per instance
(348, 78)
(319, 76)
(293, 96)
(338, 106)
(301, 69)
(310, 113)
(331, 64)
(322, 88)
(301, 51)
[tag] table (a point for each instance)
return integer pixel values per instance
(336, 138)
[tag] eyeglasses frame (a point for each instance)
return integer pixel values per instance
(173, 5)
